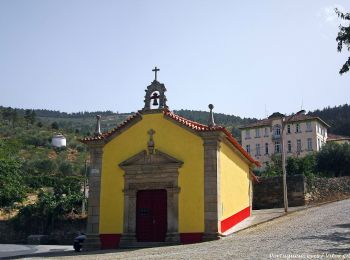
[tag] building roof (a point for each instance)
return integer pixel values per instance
(289, 119)
(333, 137)
(197, 127)
(59, 136)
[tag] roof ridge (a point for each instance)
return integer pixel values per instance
(196, 126)
(206, 128)
(112, 131)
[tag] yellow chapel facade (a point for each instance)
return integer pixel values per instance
(159, 177)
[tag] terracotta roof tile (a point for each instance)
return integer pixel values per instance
(184, 121)
(291, 118)
(109, 133)
(333, 137)
(204, 128)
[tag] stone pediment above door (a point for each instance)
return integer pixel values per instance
(148, 162)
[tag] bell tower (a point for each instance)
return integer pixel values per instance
(155, 94)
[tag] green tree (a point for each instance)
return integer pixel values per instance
(6, 114)
(46, 166)
(334, 160)
(66, 168)
(14, 117)
(12, 187)
(302, 165)
(54, 125)
(343, 39)
(274, 167)
(32, 117)
(50, 208)
(27, 116)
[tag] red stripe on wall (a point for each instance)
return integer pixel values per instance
(109, 241)
(190, 238)
(228, 223)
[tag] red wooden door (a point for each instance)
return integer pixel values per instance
(151, 215)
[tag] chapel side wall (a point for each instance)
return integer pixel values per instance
(170, 138)
(235, 188)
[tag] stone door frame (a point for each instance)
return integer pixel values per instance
(150, 172)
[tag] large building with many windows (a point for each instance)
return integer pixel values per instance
(302, 134)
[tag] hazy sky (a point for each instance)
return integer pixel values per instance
(242, 56)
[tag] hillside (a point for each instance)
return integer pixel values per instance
(337, 117)
(231, 122)
(84, 122)
(28, 160)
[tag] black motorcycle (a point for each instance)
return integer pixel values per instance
(78, 242)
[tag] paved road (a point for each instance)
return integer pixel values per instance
(316, 232)
(11, 250)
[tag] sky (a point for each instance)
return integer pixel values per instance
(248, 58)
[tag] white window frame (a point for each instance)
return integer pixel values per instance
(289, 146)
(308, 126)
(277, 130)
(309, 144)
(247, 134)
(288, 129)
(277, 147)
(299, 146)
(257, 147)
(266, 131)
(257, 132)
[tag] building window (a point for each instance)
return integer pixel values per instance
(257, 146)
(277, 130)
(298, 128)
(308, 126)
(289, 146)
(288, 129)
(247, 134)
(248, 148)
(309, 144)
(298, 145)
(257, 133)
(277, 147)
(266, 131)
(266, 148)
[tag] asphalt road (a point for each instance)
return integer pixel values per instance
(315, 233)
(12, 250)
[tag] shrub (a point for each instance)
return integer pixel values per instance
(12, 186)
(334, 160)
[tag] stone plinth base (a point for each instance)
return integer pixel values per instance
(211, 236)
(92, 242)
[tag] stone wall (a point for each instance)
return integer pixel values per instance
(268, 193)
(327, 189)
(62, 234)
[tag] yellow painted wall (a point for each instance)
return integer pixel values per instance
(234, 174)
(171, 139)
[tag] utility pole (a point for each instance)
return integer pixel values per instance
(83, 210)
(285, 196)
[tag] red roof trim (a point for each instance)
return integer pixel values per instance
(109, 133)
(198, 127)
(204, 128)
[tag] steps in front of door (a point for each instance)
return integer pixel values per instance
(148, 244)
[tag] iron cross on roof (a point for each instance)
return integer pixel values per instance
(155, 72)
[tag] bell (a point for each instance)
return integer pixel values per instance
(155, 102)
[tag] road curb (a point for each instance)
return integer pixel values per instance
(285, 214)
